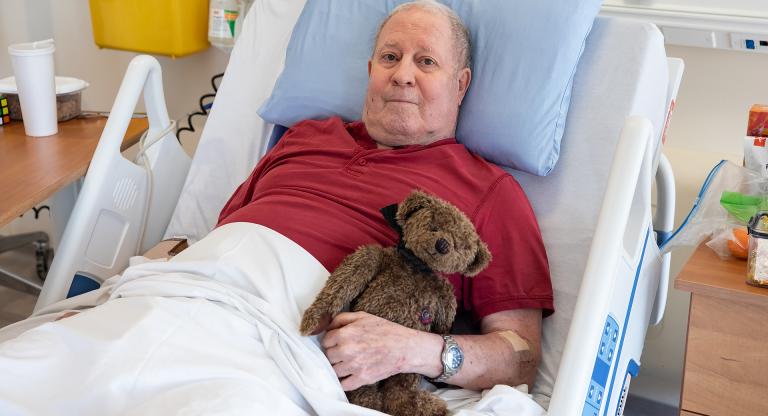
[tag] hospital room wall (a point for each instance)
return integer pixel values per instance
(708, 125)
(68, 22)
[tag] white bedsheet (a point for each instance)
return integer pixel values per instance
(214, 331)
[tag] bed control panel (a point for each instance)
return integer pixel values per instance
(605, 352)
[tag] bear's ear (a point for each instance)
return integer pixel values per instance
(481, 260)
(413, 203)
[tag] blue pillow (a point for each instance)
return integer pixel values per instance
(524, 55)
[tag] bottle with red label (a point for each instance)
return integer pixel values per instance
(755, 150)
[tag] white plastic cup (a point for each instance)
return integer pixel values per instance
(35, 80)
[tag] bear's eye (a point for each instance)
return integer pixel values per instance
(433, 228)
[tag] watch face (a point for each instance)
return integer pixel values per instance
(455, 357)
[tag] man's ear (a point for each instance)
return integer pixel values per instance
(465, 78)
(369, 68)
(481, 260)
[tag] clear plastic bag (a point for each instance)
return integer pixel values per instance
(731, 242)
(729, 196)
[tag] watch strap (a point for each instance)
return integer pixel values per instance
(448, 370)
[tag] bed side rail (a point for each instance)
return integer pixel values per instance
(119, 197)
(616, 239)
(663, 223)
(664, 218)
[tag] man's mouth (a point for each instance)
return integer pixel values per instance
(400, 100)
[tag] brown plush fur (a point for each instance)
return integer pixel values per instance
(382, 282)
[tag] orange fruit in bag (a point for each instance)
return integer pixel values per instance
(739, 245)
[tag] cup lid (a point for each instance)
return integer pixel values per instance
(40, 47)
(758, 225)
(64, 85)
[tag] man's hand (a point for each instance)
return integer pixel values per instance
(365, 348)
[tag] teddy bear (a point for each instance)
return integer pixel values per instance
(404, 284)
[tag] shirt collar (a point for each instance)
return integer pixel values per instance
(358, 132)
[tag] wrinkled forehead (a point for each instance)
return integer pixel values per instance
(399, 43)
(422, 29)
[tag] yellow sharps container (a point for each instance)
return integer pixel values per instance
(164, 27)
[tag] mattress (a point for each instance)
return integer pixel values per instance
(622, 72)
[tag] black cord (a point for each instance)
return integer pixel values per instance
(38, 210)
(204, 108)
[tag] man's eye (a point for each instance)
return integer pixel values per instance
(428, 61)
(389, 57)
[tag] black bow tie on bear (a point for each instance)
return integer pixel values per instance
(390, 214)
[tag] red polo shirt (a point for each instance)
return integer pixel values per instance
(324, 182)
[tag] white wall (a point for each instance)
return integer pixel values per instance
(732, 7)
(708, 125)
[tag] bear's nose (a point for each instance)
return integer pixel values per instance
(442, 246)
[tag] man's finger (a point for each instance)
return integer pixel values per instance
(334, 355)
(330, 340)
(345, 318)
(343, 369)
(352, 382)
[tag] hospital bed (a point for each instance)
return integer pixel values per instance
(595, 210)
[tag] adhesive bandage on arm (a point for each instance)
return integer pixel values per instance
(520, 345)
(514, 339)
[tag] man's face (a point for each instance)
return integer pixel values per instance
(414, 87)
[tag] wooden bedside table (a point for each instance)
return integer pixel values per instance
(726, 354)
(34, 168)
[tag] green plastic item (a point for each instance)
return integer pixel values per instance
(743, 207)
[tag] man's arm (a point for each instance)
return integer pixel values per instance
(508, 351)
(364, 348)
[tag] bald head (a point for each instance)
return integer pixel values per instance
(459, 33)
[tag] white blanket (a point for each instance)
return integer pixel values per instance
(213, 331)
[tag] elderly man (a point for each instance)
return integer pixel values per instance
(323, 184)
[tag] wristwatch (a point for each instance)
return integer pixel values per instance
(452, 357)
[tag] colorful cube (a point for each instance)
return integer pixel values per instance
(5, 116)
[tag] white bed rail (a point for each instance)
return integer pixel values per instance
(107, 223)
(663, 224)
(628, 185)
(664, 218)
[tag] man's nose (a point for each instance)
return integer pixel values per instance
(404, 75)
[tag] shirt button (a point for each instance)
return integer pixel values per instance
(362, 162)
